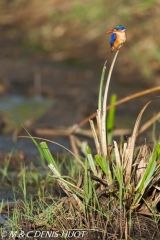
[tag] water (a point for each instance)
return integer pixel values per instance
(18, 109)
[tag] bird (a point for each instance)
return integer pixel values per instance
(118, 37)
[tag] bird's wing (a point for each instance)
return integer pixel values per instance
(113, 38)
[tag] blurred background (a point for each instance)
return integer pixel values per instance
(51, 57)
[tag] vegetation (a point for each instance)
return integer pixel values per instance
(117, 193)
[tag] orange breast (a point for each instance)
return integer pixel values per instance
(121, 38)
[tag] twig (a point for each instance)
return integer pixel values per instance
(123, 100)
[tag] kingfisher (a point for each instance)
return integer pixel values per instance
(118, 37)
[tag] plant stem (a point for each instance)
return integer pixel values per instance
(104, 111)
(101, 88)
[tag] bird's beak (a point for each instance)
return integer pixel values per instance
(110, 31)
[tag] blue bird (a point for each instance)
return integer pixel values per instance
(118, 37)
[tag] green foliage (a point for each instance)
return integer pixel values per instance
(111, 119)
(111, 114)
(47, 154)
(104, 164)
(4, 170)
(87, 186)
(91, 161)
(151, 170)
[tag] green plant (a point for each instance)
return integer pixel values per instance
(111, 119)
(4, 169)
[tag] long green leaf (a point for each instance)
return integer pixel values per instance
(111, 119)
(47, 154)
(91, 161)
(147, 176)
(34, 141)
(111, 113)
(104, 164)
